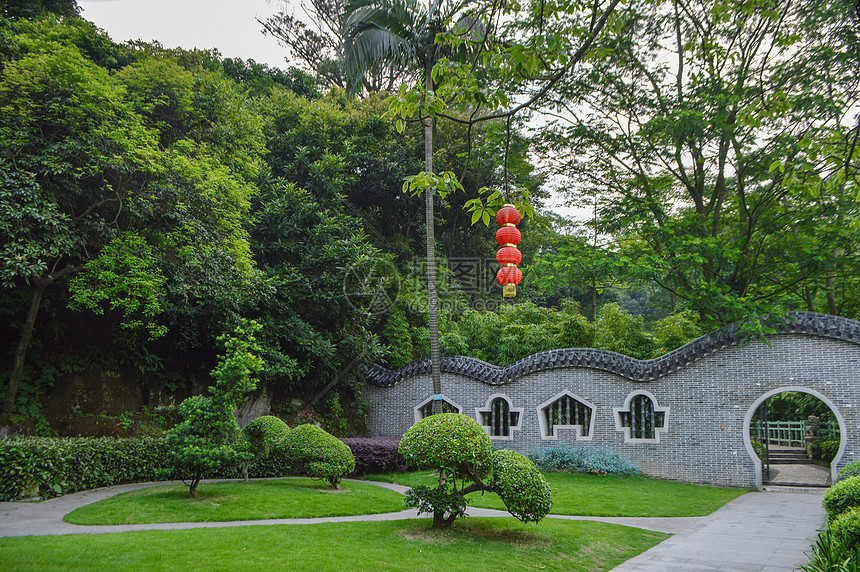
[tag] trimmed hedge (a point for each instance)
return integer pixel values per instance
(323, 455)
(521, 486)
(448, 441)
(846, 529)
(266, 435)
(376, 455)
(848, 471)
(842, 497)
(48, 466)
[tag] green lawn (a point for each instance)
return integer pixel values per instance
(473, 544)
(264, 499)
(604, 495)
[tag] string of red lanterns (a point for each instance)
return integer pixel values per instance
(509, 255)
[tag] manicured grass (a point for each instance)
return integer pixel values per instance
(473, 544)
(604, 495)
(281, 498)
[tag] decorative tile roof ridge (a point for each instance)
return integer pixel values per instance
(806, 323)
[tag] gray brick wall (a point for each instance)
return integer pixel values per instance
(710, 401)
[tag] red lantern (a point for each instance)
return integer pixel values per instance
(508, 255)
(509, 277)
(508, 215)
(508, 235)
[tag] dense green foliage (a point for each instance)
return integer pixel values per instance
(838, 545)
(322, 455)
(266, 435)
(842, 497)
(47, 467)
(824, 450)
(830, 555)
(449, 442)
(848, 471)
(719, 176)
(846, 529)
(150, 198)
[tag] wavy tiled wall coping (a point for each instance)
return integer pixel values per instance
(809, 323)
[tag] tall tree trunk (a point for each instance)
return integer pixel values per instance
(37, 288)
(432, 299)
(831, 293)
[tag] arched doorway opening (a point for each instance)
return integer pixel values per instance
(771, 440)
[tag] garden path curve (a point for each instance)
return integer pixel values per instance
(761, 531)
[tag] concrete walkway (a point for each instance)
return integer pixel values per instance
(767, 531)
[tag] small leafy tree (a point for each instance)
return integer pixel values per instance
(323, 455)
(208, 438)
(461, 451)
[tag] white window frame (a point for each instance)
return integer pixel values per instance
(576, 429)
(479, 416)
(417, 409)
(628, 431)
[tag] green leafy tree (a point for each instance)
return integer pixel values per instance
(461, 451)
(34, 9)
(709, 169)
(141, 194)
(208, 439)
(66, 135)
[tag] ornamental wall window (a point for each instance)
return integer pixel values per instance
(566, 411)
(425, 408)
(498, 418)
(641, 419)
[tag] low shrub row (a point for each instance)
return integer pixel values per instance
(376, 455)
(838, 545)
(582, 460)
(47, 467)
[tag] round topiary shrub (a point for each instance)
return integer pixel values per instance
(448, 441)
(846, 529)
(521, 486)
(266, 435)
(842, 497)
(848, 471)
(323, 455)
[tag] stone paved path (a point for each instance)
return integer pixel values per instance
(758, 532)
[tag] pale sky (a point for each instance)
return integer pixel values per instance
(228, 25)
